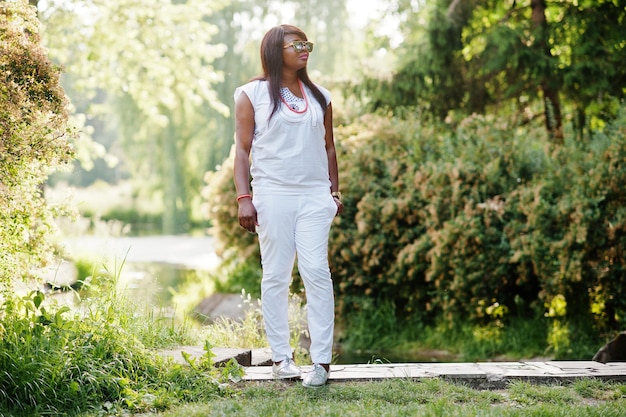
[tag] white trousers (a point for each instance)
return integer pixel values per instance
(291, 225)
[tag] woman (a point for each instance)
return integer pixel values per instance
(284, 141)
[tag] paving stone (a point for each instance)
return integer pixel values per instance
(512, 369)
(223, 355)
(262, 357)
(219, 305)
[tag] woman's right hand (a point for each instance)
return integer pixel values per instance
(248, 215)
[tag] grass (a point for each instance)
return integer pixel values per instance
(401, 397)
(100, 358)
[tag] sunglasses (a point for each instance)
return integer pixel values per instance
(300, 46)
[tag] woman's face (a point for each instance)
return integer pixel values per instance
(293, 59)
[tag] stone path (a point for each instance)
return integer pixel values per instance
(487, 375)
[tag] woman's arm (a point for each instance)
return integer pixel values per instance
(244, 132)
(331, 153)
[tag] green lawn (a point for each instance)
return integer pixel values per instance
(428, 397)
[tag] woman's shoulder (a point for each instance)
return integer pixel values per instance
(250, 88)
(255, 82)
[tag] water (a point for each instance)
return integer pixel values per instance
(149, 265)
(154, 282)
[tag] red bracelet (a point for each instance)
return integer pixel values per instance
(243, 196)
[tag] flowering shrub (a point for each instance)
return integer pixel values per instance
(33, 140)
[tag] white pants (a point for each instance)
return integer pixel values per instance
(290, 225)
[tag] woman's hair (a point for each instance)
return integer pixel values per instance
(272, 61)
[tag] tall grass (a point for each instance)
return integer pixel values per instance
(98, 355)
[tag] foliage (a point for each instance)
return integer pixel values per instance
(481, 224)
(376, 329)
(60, 361)
(475, 223)
(237, 275)
(238, 249)
(220, 197)
(424, 221)
(34, 140)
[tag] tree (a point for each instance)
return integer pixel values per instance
(154, 63)
(594, 78)
(33, 141)
(484, 55)
(552, 102)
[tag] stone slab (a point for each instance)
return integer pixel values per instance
(222, 355)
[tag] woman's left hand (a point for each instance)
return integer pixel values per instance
(339, 205)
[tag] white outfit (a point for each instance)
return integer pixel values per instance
(291, 193)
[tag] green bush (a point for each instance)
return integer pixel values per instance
(475, 224)
(424, 219)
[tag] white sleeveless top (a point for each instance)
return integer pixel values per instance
(288, 154)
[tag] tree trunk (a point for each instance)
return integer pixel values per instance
(552, 102)
(175, 210)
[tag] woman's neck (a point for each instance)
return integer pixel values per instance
(290, 79)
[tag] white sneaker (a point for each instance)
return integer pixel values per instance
(285, 370)
(316, 378)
